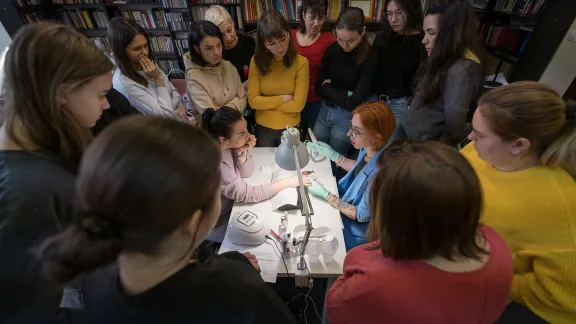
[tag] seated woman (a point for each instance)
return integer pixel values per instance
(278, 79)
(144, 204)
(369, 130)
(524, 152)
(429, 260)
(452, 75)
(211, 82)
(344, 78)
(137, 77)
(227, 126)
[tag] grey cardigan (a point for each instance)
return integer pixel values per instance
(444, 119)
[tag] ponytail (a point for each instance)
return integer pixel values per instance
(80, 248)
(220, 123)
(562, 151)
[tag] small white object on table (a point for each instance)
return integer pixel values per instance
(324, 215)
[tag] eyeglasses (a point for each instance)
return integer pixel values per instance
(398, 14)
(353, 130)
(280, 43)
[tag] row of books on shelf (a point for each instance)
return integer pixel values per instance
(157, 19)
(168, 65)
(182, 46)
(102, 43)
(161, 44)
(530, 8)
(79, 1)
(504, 37)
(84, 19)
(174, 3)
(26, 3)
(215, 1)
(31, 18)
(198, 13)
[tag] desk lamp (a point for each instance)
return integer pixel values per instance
(292, 155)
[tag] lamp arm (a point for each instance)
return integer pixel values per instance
(306, 209)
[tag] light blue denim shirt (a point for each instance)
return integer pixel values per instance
(355, 190)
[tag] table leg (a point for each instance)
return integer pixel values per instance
(329, 284)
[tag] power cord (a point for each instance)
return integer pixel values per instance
(281, 256)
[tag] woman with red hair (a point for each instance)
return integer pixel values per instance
(370, 129)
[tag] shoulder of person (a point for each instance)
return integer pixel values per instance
(233, 269)
(332, 48)
(301, 60)
(328, 37)
(247, 39)
(463, 66)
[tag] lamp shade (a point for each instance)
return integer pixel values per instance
(284, 156)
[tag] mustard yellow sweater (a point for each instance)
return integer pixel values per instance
(535, 211)
(265, 92)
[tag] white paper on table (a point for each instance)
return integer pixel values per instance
(288, 196)
(268, 263)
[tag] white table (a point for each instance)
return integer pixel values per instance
(324, 215)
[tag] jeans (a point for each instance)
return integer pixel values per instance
(267, 137)
(398, 107)
(308, 116)
(516, 313)
(332, 128)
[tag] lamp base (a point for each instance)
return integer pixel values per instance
(301, 278)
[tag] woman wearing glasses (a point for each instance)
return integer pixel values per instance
(344, 78)
(369, 130)
(312, 42)
(278, 79)
(400, 51)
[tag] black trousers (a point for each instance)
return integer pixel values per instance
(515, 314)
(267, 137)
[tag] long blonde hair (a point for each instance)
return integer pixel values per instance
(536, 112)
(42, 59)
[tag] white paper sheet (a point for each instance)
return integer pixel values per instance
(268, 264)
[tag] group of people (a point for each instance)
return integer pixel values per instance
(104, 228)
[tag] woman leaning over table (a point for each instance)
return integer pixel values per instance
(369, 131)
(344, 78)
(524, 152)
(278, 79)
(429, 260)
(211, 82)
(229, 129)
(452, 74)
(137, 77)
(311, 43)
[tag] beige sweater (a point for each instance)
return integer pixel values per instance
(214, 87)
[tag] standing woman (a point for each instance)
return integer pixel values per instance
(137, 77)
(400, 51)
(278, 79)
(211, 82)
(137, 230)
(524, 153)
(48, 109)
(311, 42)
(344, 79)
(369, 131)
(452, 75)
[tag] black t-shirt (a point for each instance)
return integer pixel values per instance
(241, 54)
(345, 75)
(36, 194)
(223, 289)
(397, 63)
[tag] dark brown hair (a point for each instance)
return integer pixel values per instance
(352, 19)
(318, 8)
(425, 201)
(220, 123)
(536, 112)
(121, 32)
(457, 32)
(413, 21)
(378, 120)
(44, 59)
(272, 25)
(140, 180)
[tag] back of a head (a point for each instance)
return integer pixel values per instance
(272, 25)
(120, 33)
(377, 119)
(425, 201)
(220, 123)
(534, 111)
(44, 61)
(217, 15)
(139, 181)
(198, 31)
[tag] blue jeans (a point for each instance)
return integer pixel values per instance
(398, 107)
(308, 116)
(332, 126)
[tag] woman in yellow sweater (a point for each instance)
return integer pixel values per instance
(278, 79)
(524, 152)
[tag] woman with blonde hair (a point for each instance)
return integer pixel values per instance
(524, 151)
(48, 110)
(278, 79)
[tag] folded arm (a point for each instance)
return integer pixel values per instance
(300, 90)
(255, 98)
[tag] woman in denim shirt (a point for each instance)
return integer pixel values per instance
(369, 130)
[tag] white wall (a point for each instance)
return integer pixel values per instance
(561, 70)
(4, 38)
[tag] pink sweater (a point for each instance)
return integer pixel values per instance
(377, 289)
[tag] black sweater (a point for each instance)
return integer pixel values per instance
(224, 289)
(345, 75)
(241, 54)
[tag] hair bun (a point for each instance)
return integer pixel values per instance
(98, 227)
(207, 116)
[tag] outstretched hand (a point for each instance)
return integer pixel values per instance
(323, 149)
